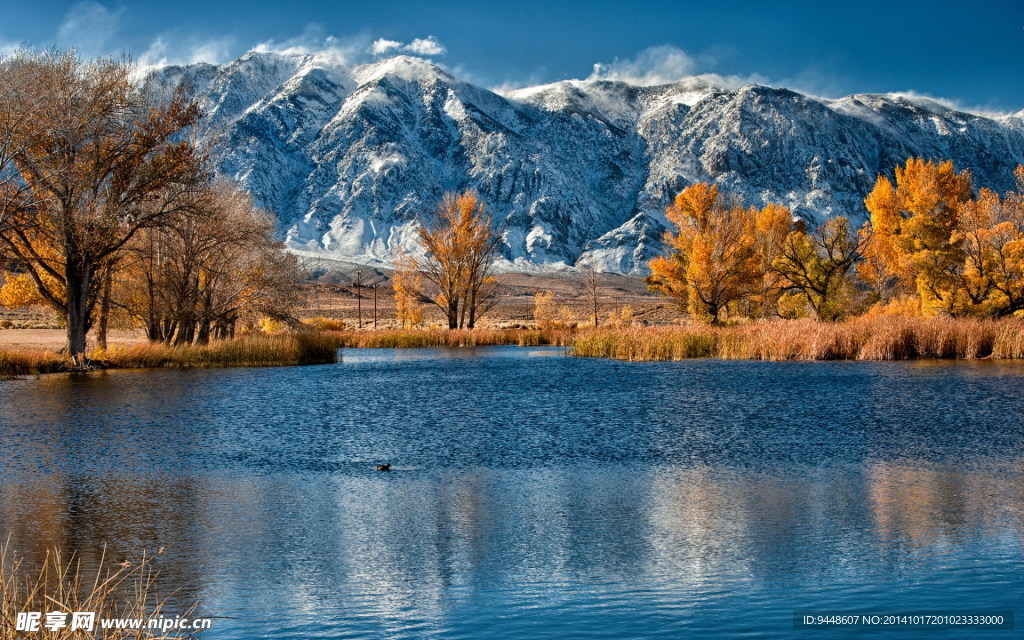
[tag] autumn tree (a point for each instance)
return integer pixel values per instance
(713, 255)
(544, 312)
(772, 226)
(20, 109)
(407, 283)
(991, 230)
(91, 162)
(461, 245)
(205, 268)
(912, 244)
(818, 264)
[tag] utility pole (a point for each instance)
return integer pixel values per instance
(359, 300)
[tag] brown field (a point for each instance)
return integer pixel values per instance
(334, 296)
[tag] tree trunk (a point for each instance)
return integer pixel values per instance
(77, 276)
(472, 309)
(203, 337)
(453, 314)
(101, 328)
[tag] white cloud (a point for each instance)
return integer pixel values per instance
(346, 50)
(665, 64)
(923, 99)
(7, 48)
(656, 65)
(88, 26)
(382, 46)
(429, 46)
(171, 49)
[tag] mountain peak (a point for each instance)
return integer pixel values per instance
(408, 68)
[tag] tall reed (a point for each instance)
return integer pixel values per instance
(414, 338)
(22, 362)
(247, 351)
(865, 338)
(122, 590)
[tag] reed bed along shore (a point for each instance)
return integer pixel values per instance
(115, 590)
(246, 351)
(419, 338)
(23, 362)
(865, 338)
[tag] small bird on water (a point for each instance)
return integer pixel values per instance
(383, 467)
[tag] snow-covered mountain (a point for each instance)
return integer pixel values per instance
(578, 172)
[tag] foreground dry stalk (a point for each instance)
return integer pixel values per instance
(124, 591)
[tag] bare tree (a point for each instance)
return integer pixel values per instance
(90, 165)
(208, 267)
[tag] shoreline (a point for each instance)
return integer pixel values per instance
(872, 338)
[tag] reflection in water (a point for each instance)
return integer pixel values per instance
(580, 505)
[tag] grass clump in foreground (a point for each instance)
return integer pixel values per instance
(418, 338)
(247, 351)
(124, 590)
(864, 338)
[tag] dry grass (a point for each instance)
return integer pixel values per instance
(418, 338)
(21, 362)
(63, 586)
(321, 323)
(867, 338)
(247, 351)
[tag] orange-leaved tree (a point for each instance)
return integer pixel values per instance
(713, 255)
(407, 283)
(912, 241)
(461, 244)
(817, 264)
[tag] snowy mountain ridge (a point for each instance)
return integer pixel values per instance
(578, 172)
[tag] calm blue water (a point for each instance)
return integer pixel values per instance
(533, 495)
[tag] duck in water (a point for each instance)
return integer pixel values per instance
(383, 467)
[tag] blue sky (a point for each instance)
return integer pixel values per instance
(971, 53)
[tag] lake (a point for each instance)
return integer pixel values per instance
(532, 494)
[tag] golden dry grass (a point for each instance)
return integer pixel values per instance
(418, 338)
(21, 362)
(866, 338)
(124, 591)
(247, 351)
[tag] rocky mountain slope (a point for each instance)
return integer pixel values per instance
(578, 172)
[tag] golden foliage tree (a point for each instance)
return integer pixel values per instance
(207, 267)
(955, 253)
(772, 225)
(544, 312)
(719, 254)
(461, 245)
(913, 245)
(818, 265)
(407, 283)
(991, 230)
